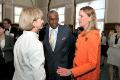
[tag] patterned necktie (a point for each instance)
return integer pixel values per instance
(52, 39)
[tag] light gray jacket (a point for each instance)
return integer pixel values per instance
(114, 51)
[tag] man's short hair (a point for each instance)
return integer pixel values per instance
(8, 20)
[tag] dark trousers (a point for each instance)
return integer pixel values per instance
(6, 71)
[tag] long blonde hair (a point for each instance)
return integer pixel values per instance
(91, 13)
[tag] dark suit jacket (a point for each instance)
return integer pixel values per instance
(8, 49)
(58, 57)
(15, 31)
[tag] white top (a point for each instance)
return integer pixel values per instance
(2, 45)
(29, 58)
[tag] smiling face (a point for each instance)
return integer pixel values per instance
(84, 19)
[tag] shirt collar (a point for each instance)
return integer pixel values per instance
(31, 33)
(56, 29)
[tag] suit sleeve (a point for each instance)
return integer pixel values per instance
(92, 52)
(10, 43)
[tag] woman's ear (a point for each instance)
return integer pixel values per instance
(33, 23)
(90, 19)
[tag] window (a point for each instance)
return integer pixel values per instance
(17, 11)
(61, 12)
(0, 12)
(99, 6)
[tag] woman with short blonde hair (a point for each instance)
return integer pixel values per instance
(28, 15)
(28, 50)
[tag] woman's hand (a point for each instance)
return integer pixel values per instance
(63, 71)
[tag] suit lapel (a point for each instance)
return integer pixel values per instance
(59, 35)
(6, 41)
(47, 38)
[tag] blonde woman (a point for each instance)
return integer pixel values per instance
(28, 50)
(86, 64)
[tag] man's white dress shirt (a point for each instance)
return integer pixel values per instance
(7, 32)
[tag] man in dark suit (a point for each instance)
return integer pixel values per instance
(56, 45)
(9, 30)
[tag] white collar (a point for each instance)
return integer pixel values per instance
(31, 33)
(56, 29)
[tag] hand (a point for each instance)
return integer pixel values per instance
(63, 71)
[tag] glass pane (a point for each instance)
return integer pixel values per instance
(100, 26)
(61, 10)
(97, 4)
(17, 10)
(16, 20)
(80, 5)
(61, 19)
(100, 14)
